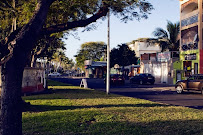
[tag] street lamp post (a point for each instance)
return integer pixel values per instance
(108, 58)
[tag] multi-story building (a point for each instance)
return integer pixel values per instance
(142, 46)
(153, 61)
(191, 47)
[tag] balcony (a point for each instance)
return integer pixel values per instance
(186, 14)
(189, 17)
(190, 20)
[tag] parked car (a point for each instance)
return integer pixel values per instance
(142, 79)
(116, 79)
(54, 74)
(194, 82)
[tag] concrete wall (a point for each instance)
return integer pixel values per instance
(33, 80)
(163, 71)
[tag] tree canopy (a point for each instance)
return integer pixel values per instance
(122, 56)
(47, 47)
(62, 63)
(64, 15)
(90, 51)
(62, 12)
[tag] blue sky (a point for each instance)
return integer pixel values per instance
(126, 32)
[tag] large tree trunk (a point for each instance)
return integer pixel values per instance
(12, 71)
(11, 111)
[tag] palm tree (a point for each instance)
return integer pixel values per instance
(168, 39)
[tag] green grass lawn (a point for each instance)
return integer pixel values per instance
(71, 110)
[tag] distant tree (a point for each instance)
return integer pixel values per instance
(46, 47)
(168, 39)
(123, 56)
(62, 62)
(90, 51)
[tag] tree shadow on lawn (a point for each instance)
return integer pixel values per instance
(159, 127)
(179, 127)
(72, 94)
(43, 108)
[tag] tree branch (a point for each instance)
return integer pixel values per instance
(6, 4)
(18, 34)
(29, 33)
(81, 23)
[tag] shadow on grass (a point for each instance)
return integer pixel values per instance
(179, 127)
(95, 127)
(72, 94)
(43, 108)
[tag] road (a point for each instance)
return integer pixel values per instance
(161, 93)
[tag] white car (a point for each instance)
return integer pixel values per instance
(54, 74)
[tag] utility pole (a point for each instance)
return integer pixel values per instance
(108, 58)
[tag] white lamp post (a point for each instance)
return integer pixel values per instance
(108, 58)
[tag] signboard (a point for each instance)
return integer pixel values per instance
(163, 56)
(83, 83)
(88, 62)
(190, 56)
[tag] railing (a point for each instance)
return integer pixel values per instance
(190, 20)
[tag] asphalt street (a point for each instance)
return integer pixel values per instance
(161, 93)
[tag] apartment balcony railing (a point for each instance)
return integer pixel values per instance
(190, 20)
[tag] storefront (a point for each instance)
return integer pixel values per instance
(95, 69)
(190, 63)
(162, 66)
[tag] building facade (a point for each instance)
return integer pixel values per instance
(142, 47)
(95, 69)
(153, 61)
(160, 65)
(191, 47)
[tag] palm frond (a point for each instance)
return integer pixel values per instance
(168, 39)
(160, 33)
